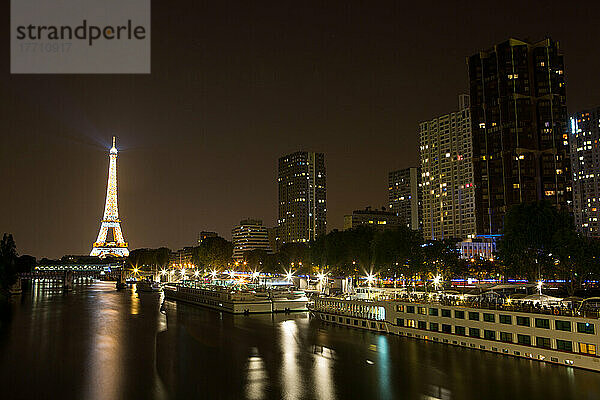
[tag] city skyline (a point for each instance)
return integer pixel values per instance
(186, 162)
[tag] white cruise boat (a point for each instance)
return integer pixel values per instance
(564, 335)
(238, 301)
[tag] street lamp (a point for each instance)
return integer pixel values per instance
(370, 279)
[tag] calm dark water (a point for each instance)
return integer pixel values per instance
(97, 343)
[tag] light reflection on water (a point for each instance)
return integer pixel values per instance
(292, 384)
(97, 343)
(256, 377)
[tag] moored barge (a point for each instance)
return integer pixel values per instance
(237, 301)
(559, 335)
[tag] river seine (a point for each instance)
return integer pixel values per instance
(97, 343)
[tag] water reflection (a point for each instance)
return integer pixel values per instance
(292, 380)
(104, 370)
(97, 343)
(324, 387)
(383, 366)
(256, 376)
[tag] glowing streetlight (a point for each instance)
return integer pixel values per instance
(370, 279)
(135, 271)
(255, 274)
(288, 275)
(172, 272)
(163, 271)
(539, 286)
(436, 281)
(196, 273)
(232, 274)
(183, 272)
(213, 274)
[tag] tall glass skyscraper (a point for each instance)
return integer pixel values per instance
(518, 117)
(584, 138)
(302, 197)
(447, 175)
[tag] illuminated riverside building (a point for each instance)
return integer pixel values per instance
(378, 219)
(585, 165)
(447, 175)
(110, 239)
(182, 257)
(302, 197)
(249, 235)
(519, 117)
(404, 196)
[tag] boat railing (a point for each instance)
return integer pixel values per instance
(556, 310)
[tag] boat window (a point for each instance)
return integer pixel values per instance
(400, 321)
(400, 307)
(489, 335)
(459, 330)
(523, 321)
(446, 313)
(542, 342)
(410, 309)
(474, 332)
(487, 317)
(422, 325)
(524, 339)
(506, 337)
(433, 326)
(585, 327)
(459, 314)
(446, 328)
(542, 323)
(587, 348)
(473, 316)
(433, 311)
(562, 325)
(505, 319)
(422, 310)
(565, 345)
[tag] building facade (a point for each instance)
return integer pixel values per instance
(302, 197)
(447, 175)
(205, 235)
(249, 235)
(518, 118)
(585, 167)
(378, 219)
(404, 196)
(479, 247)
(182, 257)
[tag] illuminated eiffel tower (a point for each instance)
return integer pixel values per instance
(115, 246)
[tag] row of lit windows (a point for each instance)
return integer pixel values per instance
(582, 327)
(508, 337)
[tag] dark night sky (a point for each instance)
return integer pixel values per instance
(235, 86)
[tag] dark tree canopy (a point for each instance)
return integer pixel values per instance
(8, 261)
(540, 241)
